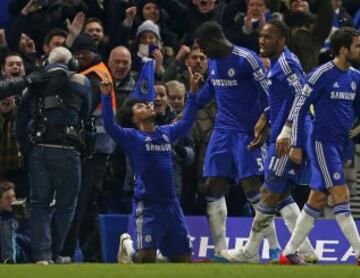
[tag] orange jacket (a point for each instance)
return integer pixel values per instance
(102, 71)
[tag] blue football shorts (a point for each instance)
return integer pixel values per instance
(327, 162)
(281, 174)
(162, 226)
(227, 156)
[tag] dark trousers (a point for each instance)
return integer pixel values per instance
(85, 223)
(52, 173)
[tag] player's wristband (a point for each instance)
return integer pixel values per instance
(285, 132)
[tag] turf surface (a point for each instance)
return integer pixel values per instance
(177, 270)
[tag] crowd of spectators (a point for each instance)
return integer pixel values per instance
(124, 34)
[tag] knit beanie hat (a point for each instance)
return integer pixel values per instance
(84, 42)
(150, 26)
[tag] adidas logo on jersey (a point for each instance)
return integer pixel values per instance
(292, 172)
(147, 139)
(336, 85)
(212, 72)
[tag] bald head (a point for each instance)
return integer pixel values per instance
(119, 62)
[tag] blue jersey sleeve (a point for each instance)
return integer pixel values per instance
(310, 93)
(206, 94)
(294, 76)
(259, 80)
(117, 133)
(183, 126)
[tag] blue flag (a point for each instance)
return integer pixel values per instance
(145, 84)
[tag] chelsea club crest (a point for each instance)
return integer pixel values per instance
(144, 87)
(231, 72)
(353, 86)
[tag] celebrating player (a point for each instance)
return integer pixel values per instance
(285, 81)
(333, 89)
(238, 83)
(160, 222)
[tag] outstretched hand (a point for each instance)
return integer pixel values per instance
(30, 7)
(196, 81)
(77, 24)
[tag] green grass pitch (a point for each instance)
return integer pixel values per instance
(178, 270)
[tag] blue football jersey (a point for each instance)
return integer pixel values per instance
(239, 85)
(286, 80)
(335, 96)
(150, 153)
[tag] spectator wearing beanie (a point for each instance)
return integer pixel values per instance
(147, 46)
(93, 169)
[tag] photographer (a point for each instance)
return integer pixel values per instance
(48, 128)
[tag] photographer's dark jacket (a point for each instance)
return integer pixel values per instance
(58, 118)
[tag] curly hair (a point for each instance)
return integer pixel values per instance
(126, 113)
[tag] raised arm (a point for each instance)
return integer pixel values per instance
(205, 95)
(183, 126)
(116, 132)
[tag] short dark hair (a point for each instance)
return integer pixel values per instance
(126, 114)
(93, 19)
(281, 26)
(54, 32)
(5, 185)
(9, 54)
(342, 38)
(209, 30)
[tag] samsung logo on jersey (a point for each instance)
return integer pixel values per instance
(224, 82)
(158, 148)
(342, 95)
